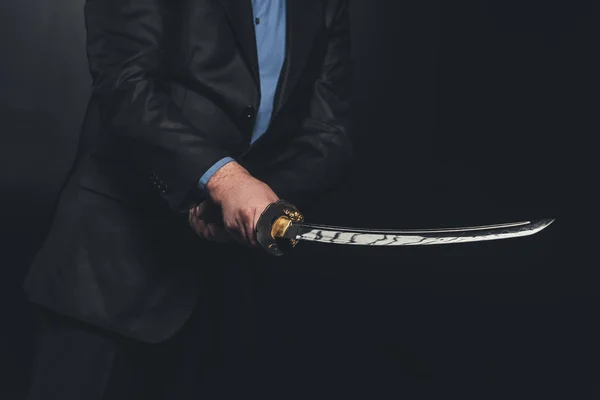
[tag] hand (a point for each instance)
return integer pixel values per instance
(242, 198)
(205, 220)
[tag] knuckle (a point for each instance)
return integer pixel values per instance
(248, 213)
(244, 210)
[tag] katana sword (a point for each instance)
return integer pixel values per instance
(281, 226)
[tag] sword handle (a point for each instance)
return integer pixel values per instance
(273, 224)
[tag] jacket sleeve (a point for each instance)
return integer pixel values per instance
(125, 53)
(318, 156)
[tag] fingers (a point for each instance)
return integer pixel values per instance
(248, 236)
(242, 230)
(249, 227)
(234, 233)
(239, 226)
(243, 227)
(199, 210)
(209, 212)
(196, 224)
(217, 234)
(207, 230)
(251, 230)
(211, 232)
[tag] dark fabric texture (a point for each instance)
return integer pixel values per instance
(77, 361)
(214, 355)
(175, 88)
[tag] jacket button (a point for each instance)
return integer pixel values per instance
(249, 112)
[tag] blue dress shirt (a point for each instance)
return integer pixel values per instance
(270, 28)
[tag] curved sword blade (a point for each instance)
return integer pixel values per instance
(413, 237)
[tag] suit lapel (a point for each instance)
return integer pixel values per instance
(304, 17)
(241, 19)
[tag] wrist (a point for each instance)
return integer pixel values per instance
(224, 179)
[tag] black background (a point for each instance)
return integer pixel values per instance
(466, 112)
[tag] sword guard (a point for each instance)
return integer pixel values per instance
(273, 224)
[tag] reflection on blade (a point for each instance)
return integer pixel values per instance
(366, 237)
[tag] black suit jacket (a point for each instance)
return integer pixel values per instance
(175, 89)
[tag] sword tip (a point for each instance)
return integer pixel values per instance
(542, 224)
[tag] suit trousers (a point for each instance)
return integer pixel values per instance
(212, 356)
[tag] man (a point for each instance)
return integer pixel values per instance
(220, 107)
